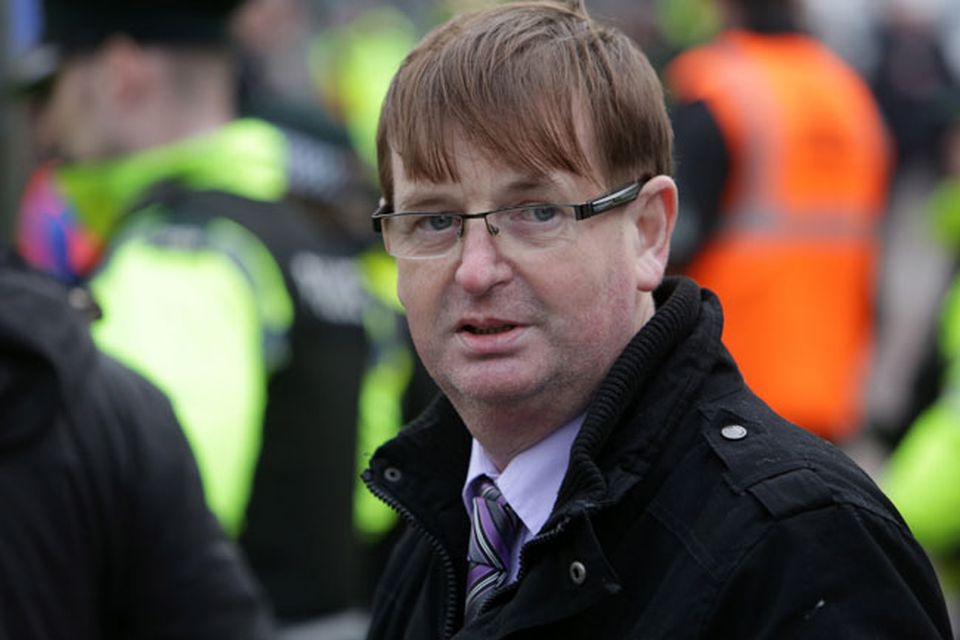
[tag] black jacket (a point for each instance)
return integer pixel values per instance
(689, 510)
(104, 532)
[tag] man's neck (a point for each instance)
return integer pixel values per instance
(170, 126)
(505, 432)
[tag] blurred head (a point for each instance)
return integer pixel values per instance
(761, 15)
(523, 107)
(125, 75)
(71, 27)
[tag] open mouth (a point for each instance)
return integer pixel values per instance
(487, 331)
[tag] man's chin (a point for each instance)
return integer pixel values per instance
(497, 389)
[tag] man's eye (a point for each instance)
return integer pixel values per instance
(541, 213)
(436, 223)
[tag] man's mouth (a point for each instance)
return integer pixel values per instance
(486, 331)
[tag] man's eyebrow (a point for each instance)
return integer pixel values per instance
(430, 201)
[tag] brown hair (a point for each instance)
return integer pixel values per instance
(512, 79)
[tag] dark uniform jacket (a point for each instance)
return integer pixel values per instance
(104, 532)
(298, 531)
(689, 510)
(264, 331)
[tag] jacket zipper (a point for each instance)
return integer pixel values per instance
(536, 541)
(406, 514)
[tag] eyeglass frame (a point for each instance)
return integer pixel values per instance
(601, 204)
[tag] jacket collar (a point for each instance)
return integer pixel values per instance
(664, 362)
(246, 157)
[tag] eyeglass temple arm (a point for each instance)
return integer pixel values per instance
(381, 210)
(609, 201)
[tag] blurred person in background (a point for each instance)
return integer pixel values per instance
(104, 533)
(662, 27)
(253, 320)
(917, 90)
(915, 85)
(352, 62)
(330, 183)
(275, 83)
(783, 159)
(922, 475)
(275, 38)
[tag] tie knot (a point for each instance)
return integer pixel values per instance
(487, 490)
(492, 512)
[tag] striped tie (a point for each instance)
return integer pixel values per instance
(493, 527)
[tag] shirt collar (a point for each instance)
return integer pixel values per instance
(531, 481)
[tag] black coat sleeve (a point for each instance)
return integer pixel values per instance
(183, 579)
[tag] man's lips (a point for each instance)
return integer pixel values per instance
(487, 330)
(490, 337)
(486, 326)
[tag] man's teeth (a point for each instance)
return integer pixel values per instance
(489, 330)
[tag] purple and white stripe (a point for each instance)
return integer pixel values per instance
(493, 528)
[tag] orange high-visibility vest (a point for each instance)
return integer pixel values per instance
(794, 258)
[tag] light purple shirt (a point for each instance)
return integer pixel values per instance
(530, 483)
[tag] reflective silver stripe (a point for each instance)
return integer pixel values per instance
(823, 224)
(760, 213)
(761, 131)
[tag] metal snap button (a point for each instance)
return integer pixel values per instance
(734, 432)
(578, 572)
(80, 300)
(392, 474)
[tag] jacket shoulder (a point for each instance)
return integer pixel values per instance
(785, 468)
(795, 512)
(742, 471)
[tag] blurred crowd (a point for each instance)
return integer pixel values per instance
(318, 345)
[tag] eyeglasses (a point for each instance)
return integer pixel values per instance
(418, 235)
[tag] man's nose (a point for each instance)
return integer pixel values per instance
(482, 266)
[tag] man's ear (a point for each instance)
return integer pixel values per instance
(655, 218)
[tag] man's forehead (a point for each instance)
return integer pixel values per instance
(489, 177)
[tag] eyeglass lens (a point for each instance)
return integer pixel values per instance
(523, 228)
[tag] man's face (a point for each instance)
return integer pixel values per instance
(533, 330)
(73, 122)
